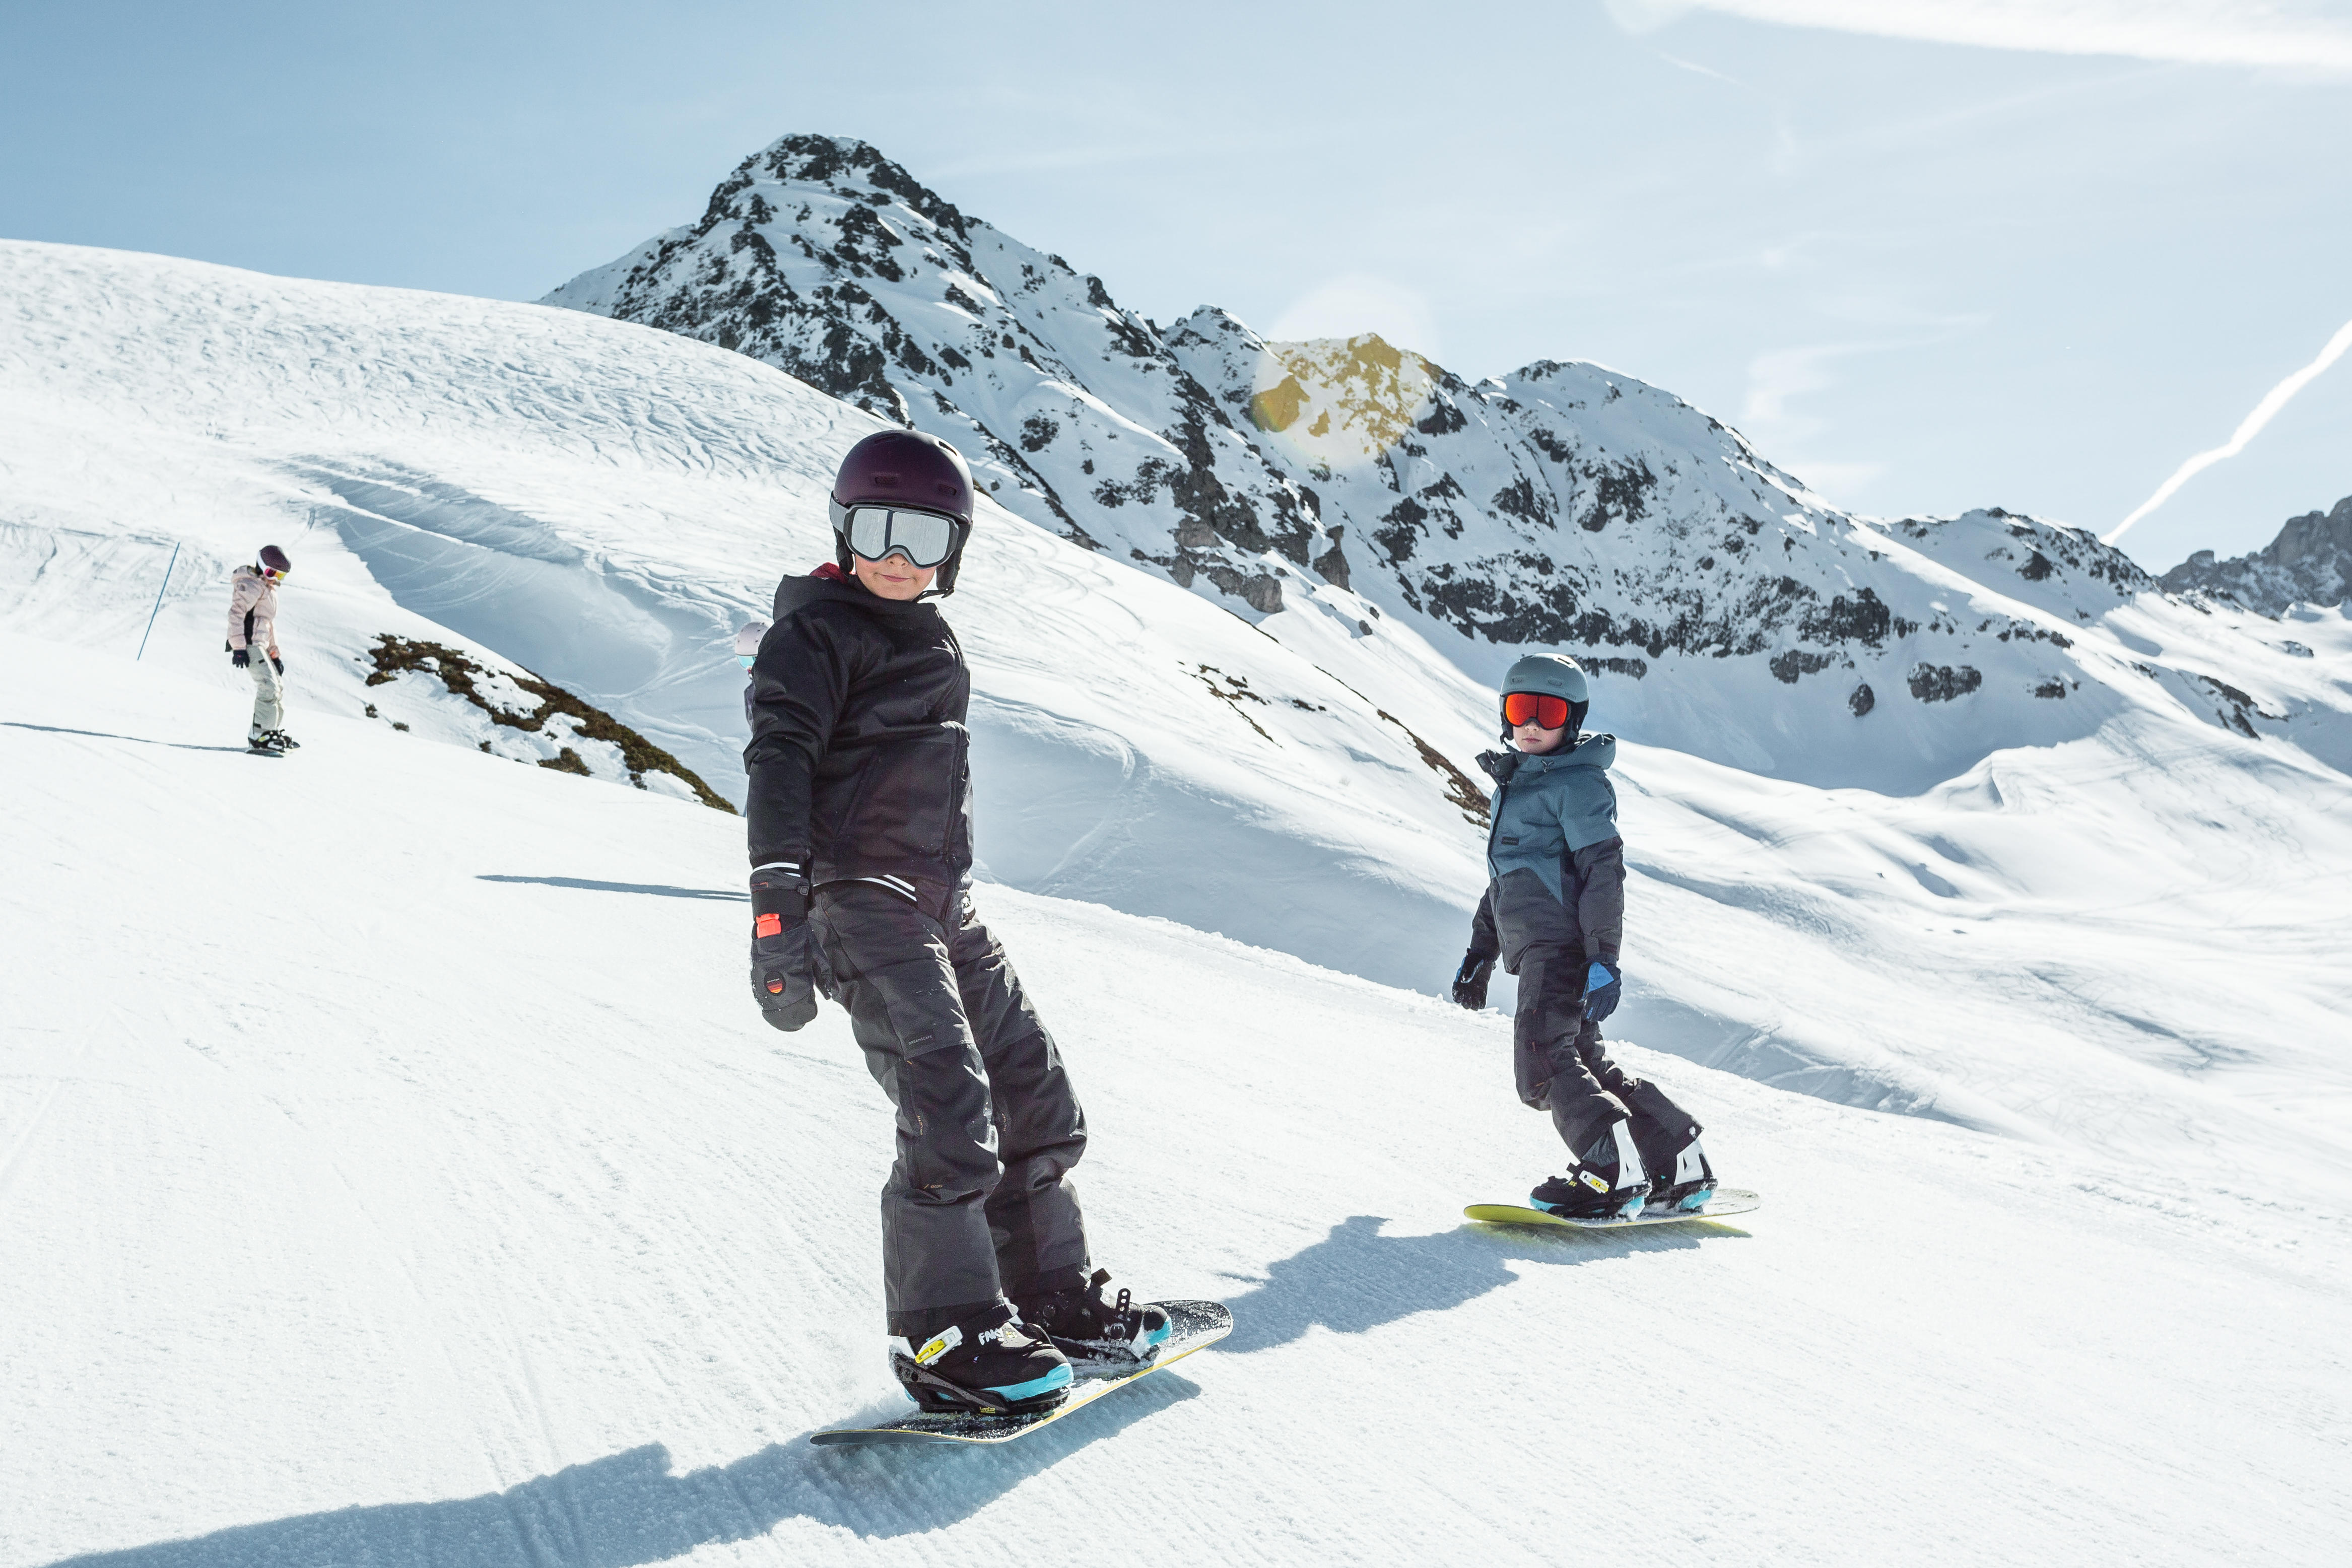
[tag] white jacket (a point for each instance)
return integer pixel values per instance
(252, 611)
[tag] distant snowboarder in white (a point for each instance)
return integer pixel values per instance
(253, 647)
(1554, 913)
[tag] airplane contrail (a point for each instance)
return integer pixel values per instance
(2247, 428)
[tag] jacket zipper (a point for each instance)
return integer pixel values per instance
(957, 785)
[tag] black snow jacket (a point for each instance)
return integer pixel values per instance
(860, 762)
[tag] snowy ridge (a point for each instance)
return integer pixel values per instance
(1734, 613)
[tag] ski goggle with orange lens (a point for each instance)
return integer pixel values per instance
(925, 538)
(1539, 708)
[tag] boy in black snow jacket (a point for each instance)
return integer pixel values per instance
(1554, 911)
(860, 821)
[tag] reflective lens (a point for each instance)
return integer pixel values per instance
(925, 538)
(1537, 708)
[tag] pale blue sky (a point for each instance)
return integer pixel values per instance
(1922, 274)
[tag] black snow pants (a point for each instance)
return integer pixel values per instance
(978, 1206)
(1562, 1068)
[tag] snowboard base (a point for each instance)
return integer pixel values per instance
(1727, 1200)
(1191, 1325)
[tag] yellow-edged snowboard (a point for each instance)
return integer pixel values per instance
(1191, 1325)
(1727, 1200)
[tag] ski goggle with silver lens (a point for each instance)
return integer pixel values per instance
(1539, 708)
(925, 538)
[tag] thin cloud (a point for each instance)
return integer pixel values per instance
(2201, 32)
(2247, 428)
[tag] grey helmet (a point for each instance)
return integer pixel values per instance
(1553, 674)
(747, 641)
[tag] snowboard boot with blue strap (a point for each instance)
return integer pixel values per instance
(990, 1362)
(1690, 1185)
(1095, 1329)
(1606, 1182)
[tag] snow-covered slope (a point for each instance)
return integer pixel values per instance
(2134, 935)
(1735, 614)
(429, 1197)
(606, 503)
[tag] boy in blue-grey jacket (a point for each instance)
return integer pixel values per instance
(1554, 913)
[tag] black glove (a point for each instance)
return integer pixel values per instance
(241, 658)
(1604, 988)
(277, 664)
(1470, 980)
(784, 950)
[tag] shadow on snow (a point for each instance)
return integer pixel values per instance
(631, 1509)
(105, 735)
(1356, 1279)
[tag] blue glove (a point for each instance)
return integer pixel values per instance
(1604, 988)
(1470, 980)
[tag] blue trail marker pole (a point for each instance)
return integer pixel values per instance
(158, 604)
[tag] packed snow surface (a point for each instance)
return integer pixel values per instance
(394, 1170)
(2125, 936)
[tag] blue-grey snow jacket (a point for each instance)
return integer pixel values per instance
(1554, 865)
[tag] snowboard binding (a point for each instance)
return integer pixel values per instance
(992, 1364)
(936, 1396)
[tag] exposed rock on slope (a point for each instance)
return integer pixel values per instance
(518, 716)
(2310, 562)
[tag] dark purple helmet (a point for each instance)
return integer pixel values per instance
(274, 559)
(907, 469)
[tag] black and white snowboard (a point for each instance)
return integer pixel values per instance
(1191, 1325)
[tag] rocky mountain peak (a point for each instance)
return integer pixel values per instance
(825, 259)
(2309, 562)
(1565, 505)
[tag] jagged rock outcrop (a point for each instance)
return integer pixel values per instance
(821, 256)
(1573, 505)
(2310, 562)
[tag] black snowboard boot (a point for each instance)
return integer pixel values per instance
(1604, 1183)
(1096, 1329)
(1688, 1186)
(989, 1363)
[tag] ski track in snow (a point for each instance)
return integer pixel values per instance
(418, 1200)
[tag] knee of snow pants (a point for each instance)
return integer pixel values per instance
(1550, 1017)
(1661, 1128)
(948, 1033)
(1034, 1217)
